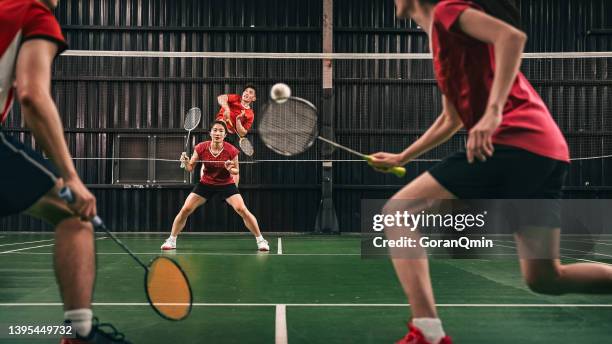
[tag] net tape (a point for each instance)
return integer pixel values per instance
(585, 147)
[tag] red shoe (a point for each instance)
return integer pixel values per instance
(415, 336)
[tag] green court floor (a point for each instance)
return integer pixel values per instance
(319, 286)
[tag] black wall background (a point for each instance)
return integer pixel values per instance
(102, 98)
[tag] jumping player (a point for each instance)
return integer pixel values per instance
(220, 164)
(30, 38)
(514, 149)
(237, 113)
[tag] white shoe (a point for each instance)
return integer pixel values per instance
(263, 246)
(169, 244)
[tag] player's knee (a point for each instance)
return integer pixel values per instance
(186, 211)
(242, 210)
(74, 224)
(545, 284)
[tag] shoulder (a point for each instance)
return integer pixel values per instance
(39, 22)
(233, 98)
(231, 149)
(202, 145)
(447, 12)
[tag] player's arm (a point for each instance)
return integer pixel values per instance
(445, 126)
(240, 129)
(33, 84)
(191, 163)
(232, 166)
(223, 102)
(508, 43)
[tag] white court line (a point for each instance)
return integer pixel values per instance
(562, 256)
(214, 254)
(32, 247)
(590, 242)
(461, 305)
(281, 325)
(280, 246)
(25, 248)
(25, 242)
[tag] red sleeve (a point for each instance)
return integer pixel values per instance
(199, 148)
(447, 13)
(248, 122)
(40, 23)
(233, 98)
(233, 152)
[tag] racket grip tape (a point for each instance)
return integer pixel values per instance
(182, 162)
(398, 171)
(66, 194)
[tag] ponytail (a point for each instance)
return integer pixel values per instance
(505, 10)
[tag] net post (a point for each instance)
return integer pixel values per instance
(327, 221)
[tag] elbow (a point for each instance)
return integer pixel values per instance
(517, 37)
(32, 97)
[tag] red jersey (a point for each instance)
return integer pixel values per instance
(215, 172)
(236, 108)
(464, 68)
(21, 20)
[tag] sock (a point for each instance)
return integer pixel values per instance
(431, 328)
(80, 320)
(172, 237)
(259, 238)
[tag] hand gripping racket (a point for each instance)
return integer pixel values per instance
(291, 128)
(166, 284)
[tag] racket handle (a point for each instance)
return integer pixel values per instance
(182, 162)
(398, 171)
(66, 194)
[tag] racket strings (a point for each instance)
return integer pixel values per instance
(168, 289)
(246, 146)
(192, 119)
(289, 128)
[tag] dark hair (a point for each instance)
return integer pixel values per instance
(505, 10)
(218, 122)
(250, 86)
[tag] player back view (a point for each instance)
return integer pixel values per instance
(30, 38)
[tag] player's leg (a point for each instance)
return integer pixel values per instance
(237, 202)
(412, 268)
(74, 257)
(193, 201)
(538, 250)
(74, 252)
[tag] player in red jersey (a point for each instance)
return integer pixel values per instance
(514, 149)
(237, 113)
(30, 38)
(220, 164)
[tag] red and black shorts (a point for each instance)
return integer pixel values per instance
(510, 174)
(208, 191)
(25, 176)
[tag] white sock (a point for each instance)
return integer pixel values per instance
(259, 238)
(80, 320)
(172, 237)
(431, 328)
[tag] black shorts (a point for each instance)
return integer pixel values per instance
(25, 176)
(208, 191)
(511, 173)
